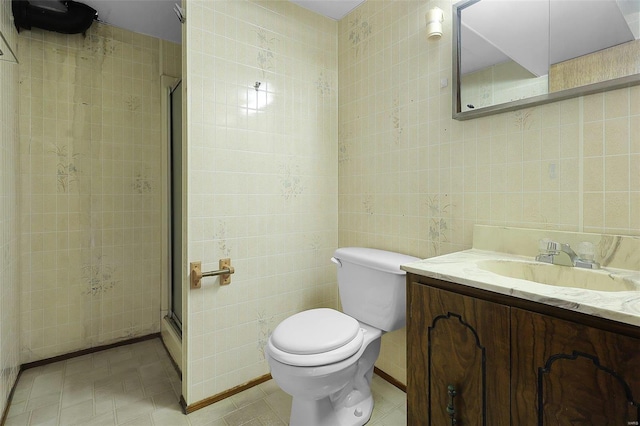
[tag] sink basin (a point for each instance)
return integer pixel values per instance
(561, 276)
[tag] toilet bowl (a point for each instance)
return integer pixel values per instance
(329, 393)
(324, 358)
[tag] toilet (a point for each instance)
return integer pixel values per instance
(324, 358)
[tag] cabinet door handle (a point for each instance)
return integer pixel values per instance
(451, 410)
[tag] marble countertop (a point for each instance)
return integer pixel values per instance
(465, 268)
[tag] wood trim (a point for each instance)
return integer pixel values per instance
(88, 351)
(541, 308)
(395, 382)
(187, 409)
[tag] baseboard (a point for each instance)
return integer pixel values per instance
(187, 409)
(390, 379)
(88, 351)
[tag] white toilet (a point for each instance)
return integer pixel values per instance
(324, 358)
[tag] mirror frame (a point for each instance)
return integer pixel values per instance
(458, 114)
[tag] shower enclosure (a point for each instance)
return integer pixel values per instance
(175, 190)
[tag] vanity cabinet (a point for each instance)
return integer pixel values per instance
(564, 373)
(515, 362)
(456, 344)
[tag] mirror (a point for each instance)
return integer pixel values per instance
(510, 54)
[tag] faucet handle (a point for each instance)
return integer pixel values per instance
(586, 256)
(543, 245)
(586, 251)
(547, 246)
(547, 249)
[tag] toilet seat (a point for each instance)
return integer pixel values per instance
(315, 337)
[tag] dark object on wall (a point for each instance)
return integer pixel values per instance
(66, 17)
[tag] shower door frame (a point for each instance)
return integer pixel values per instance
(173, 319)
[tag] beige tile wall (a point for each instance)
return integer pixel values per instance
(262, 170)
(170, 58)
(9, 219)
(413, 180)
(90, 141)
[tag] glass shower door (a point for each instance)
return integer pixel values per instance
(175, 159)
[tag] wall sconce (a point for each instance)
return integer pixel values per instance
(434, 19)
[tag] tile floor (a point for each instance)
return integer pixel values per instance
(136, 385)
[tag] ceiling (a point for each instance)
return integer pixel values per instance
(157, 17)
(334, 9)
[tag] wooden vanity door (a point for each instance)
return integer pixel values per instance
(458, 344)
(565, 373)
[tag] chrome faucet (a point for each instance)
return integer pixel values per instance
(551, 252)
(566, 248)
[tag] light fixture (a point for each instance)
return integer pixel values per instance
(434, 19)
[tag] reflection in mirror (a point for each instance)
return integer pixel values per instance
(601, 44)
(513, 53)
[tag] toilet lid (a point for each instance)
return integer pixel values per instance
(316, 360)
(315, 331)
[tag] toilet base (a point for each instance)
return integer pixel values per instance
(337, 394)
(322, 413)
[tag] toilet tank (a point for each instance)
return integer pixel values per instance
(372, 286)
